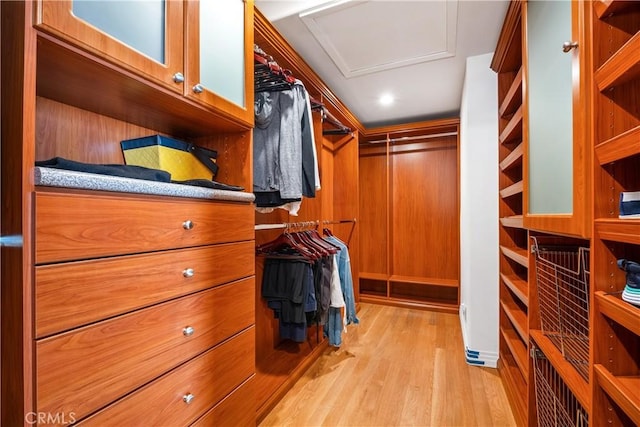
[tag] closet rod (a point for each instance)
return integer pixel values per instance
(341, 221)
(286, 225)
(411, 138)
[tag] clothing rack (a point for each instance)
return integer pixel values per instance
(341, 221)
(340, 128)
(288, 225)
(410, 138)
(268, 75)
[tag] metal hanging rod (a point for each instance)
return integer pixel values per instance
(341, 221)
(287, 225)
(411, 138)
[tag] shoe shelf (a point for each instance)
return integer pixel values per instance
(576, 383)
(621, 67)
(512, 190)
(622, 146)
(619, 311)
(517, 317)
(624, 390)
(513, 130)
(513, 99)
(518, 255)
(618, 230)
(514, 159)
(514, 221)
(519, 287)
(517, 348)
(606, 8)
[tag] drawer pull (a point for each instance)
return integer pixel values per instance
(187, 225)
(188, 331)
(188, 272)
(187, 398)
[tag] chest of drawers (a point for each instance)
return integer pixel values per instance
(144, 308)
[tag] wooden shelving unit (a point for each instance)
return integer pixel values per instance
(393, 216)
(616, 135)
(514, 362)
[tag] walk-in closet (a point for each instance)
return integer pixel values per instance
(337, 213)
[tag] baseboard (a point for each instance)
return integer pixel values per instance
(486, 359)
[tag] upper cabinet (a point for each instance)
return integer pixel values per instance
(203, 51)
(556, 194)
(218, 73)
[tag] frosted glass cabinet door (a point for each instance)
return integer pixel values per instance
(553, 173)
(145, 37)
(220, 55)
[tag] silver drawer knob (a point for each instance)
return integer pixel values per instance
(187, 225)
(188, 331)
(198, 88)
(187, 398)
(568, 45)
(178, 78)
(188, 272)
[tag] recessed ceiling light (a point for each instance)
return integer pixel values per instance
(386, 99)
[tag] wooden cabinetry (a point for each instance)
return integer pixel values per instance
(409, 209)
(161, 41)
(555, 54)
(513, 236)
(113, 307)
(616, 135)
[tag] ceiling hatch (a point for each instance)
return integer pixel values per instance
(394, 33)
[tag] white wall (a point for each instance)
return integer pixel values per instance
(479, 212)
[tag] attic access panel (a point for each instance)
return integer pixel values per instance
(363, 37)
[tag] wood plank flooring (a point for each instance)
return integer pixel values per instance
(398, 367)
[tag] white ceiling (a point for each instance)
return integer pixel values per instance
(414, 50)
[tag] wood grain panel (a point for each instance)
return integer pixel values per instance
(425, 219)
(79, 226)
(209, 378)
(18, 63)
(73, 294)
(83, 370)
(373, 214)
(624, 390)
(238, 408)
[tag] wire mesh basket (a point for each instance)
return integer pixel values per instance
(556, 405)
(562, 279)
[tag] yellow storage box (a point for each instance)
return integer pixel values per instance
(183, 160)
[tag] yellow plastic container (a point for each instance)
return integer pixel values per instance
(183, 160)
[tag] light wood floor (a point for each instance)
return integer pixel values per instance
(398, 367)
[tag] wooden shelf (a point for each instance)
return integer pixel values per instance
(619, 311)
(513, 130)
(515, 386)
(621, 67)
(624, 390)
(518, 350)
(513, 98)
(619, 230)
(570, 375)
(518, 286)
(606, 8)
(620, 147)
(513, 159)
(514, 221)
(512, 190)
(430, 281)
(517, 254)
(518, 319)
(374, 276)
(408, 303)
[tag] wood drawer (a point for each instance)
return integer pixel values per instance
(74, 226)
(236, 410)
(74, 294)
(208, 378)
(83, 370)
